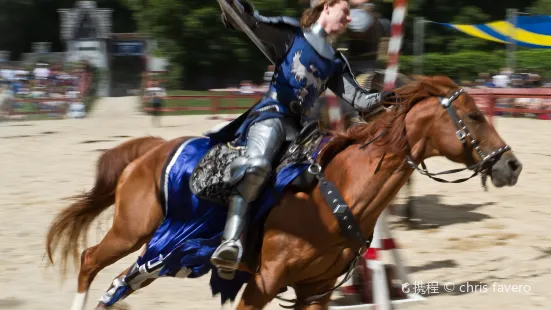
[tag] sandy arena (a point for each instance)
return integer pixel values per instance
(465, 234)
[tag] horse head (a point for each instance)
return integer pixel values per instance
(430, 117)
(458, 130)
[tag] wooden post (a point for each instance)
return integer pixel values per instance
(215, 107)
(491, 108)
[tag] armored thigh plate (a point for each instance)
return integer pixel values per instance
(250, 173)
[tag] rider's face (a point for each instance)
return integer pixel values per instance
(337, 17)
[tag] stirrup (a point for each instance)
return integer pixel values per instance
(225, 274)
(225, 257)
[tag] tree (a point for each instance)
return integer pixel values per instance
(469, 15)
(542, 7)
(201, 51)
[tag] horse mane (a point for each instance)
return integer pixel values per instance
(394, 139)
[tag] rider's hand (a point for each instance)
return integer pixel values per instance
(388, 96)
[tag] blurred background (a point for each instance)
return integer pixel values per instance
(80, 50)
(80, 77)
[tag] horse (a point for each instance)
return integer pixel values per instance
(310, 235)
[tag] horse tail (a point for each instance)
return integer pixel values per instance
(71, 222)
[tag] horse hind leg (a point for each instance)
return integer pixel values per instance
(94, 259)
(131, 280)
(137, 216)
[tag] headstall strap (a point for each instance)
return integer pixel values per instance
(462, 134)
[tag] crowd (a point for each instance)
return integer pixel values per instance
(44, 81)
(506, 78)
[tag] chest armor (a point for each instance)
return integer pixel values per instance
(303, 74)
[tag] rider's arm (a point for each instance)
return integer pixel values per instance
(277, 32)
(345, 86)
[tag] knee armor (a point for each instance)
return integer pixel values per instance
(248, 176)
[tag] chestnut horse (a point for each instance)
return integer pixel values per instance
(303, 247)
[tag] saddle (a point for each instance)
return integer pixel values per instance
(210, 178)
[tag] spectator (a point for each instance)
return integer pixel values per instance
(41, 73)
(7, 75)
(247, 88)
(155, 93)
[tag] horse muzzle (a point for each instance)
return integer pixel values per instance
(506, 170)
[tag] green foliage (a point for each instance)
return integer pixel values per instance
(192, 36)
(467, 65)
(541, 7)
(469, 15)
(201, 51)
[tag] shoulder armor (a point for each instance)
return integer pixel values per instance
(286, 20)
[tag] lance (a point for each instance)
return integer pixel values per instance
(227, 9)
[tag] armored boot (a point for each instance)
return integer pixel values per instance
(228, 255)
(249, 175)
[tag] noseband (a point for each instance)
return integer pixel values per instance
(463, 134)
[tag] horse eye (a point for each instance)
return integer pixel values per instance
(476, 116)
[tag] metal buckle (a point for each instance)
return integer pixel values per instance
(293, 148)
(314, 169)
(445, 102)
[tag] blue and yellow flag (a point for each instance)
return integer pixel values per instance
(530, 31)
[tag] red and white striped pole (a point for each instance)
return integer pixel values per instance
(334, 111)
(395, 43)
(391, 75)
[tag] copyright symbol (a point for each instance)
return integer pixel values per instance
(449, 287)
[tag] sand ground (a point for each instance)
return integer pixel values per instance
(464, 235)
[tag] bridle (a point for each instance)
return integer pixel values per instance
(466, 138)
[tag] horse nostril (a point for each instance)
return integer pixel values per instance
(514, 164)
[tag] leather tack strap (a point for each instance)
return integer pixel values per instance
(347, 222)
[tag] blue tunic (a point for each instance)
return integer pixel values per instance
(192, 227)
(298, 81)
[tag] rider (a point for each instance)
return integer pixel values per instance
(363, 35)
(305, 65)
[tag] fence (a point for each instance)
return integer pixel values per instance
(216, 105)
(486, 99)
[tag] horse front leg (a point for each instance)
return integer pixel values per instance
(263, 287)
(305, 291)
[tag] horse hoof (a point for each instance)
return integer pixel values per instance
(226, 274)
